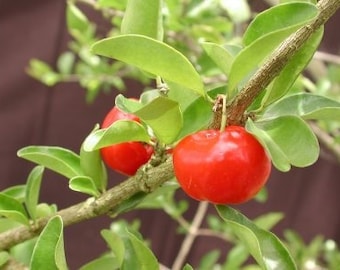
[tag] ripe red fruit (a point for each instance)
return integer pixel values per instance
(127, 157)
(226, 167)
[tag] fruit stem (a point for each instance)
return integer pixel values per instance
(161, 86)
(224, 113)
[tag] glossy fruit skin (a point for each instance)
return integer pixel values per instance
(125, 158)
(228, 167)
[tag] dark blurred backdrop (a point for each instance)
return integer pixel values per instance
(31, 113)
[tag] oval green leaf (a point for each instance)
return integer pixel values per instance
(120, 131)
(196, 116)
(84, 184)
(17, 192)
(305, 105)
(48, 252)
(278, 17)
(76, 19)
(143, 17)
(116, 244)
(92, 165)
(220, 55)
(45, 210)
(282, 84)
(164, 116)
(57, 159)
(140, 254)
(127, 104)
(107, 261)
(264, 246)
(13, 209)
(151, 56)
(33, 190)
(264, 42)
(288, 140)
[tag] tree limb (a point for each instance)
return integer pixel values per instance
(141, 182)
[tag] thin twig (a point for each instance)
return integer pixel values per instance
(191, 236)
(327, 57)
(327, 140)
(210, 233)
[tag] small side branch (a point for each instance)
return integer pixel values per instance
(278, 60)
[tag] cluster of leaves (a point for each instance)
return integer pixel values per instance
(128, 249)
(161, 42)
(157, 40)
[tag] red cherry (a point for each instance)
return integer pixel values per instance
(128, 157)
(226, 167)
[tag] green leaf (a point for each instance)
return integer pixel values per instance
(57, 159)
(164, 198)
(209, 259)
(4, 257)
(116, 245)
(13, 209)
(43, 72)
(162, 114)
(140, 254)
(264, 246)
(288, 140)
(120, 131)
(45, 210)
(181, 94)
(65, 62)
(8, 224)
(278, 18)
(262, 195)
(164, 117)
(282, 84)
(115, 4)
(187, 267)
(264, 23)
(84, 184)
(49, 252)
(93, 166)
(22, 252)
(127, 104)
(265, 34)
(269, 220)
(196, 116)
(106, 261)
(76, 20)
(236, 257)
(305, 105)
(148, 96)
(33, 190)
(143, 17)
(17, 192)
(151, 56)
(220, 55)
(129, 204)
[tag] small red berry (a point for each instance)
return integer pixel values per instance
(226, 167)
(127, 157)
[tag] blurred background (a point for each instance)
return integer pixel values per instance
(34, 114)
